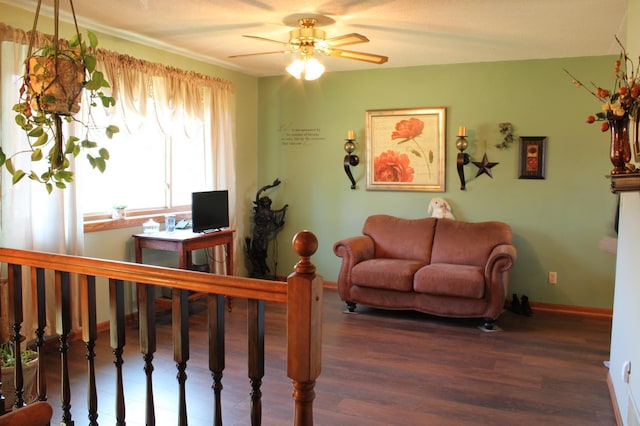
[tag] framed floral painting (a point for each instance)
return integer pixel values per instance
(406, 149)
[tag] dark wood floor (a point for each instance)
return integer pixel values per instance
(380, 368)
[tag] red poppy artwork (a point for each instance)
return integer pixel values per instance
(406, 149)
(392, 166)
(407, 129)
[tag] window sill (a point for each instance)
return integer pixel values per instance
(96, 225)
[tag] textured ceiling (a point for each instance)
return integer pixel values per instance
(409, 32)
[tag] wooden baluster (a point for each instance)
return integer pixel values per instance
(180, 326)
(147, 325)
(40, 307)
(63, 325)
(215, 305)
(304, 327)
(89, 335)
(117, 336)
(255, 330)
(16, 317)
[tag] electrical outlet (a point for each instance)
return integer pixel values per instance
(553, 278)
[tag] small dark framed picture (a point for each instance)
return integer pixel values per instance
(533, 151)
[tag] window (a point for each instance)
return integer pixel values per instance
(147, 170)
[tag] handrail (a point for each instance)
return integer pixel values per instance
(271, 291)
(302, 293)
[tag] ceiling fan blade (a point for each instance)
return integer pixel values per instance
(258, 54)
(360, 56)
(343, 40)
(266, 39)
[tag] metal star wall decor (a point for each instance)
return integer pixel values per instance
(484, 166)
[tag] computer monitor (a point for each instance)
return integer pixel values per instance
(209, 210)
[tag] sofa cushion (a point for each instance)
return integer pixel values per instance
(388, 274)
(397, 238)
(467, 243)
(445, 279)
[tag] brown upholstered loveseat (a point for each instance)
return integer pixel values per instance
(443, 267)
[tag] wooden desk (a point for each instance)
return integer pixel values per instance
(184, 242)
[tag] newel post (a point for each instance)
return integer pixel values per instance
(304, 327)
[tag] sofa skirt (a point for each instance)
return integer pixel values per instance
(446, 306)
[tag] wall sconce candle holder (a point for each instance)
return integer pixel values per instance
(350, 159)
(463, 157)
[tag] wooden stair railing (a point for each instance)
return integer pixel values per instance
(302, 293)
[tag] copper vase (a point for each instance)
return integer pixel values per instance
(620, 148)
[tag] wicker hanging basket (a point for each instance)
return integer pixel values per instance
(55, 84)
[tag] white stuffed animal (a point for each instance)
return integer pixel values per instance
(440, 208)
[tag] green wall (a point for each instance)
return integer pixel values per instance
(558, 222)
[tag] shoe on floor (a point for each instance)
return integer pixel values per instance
(526, 307)
(515, 305)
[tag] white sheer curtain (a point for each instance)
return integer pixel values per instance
(35, 220)
(31, 218)
(219, 113)
(188, 99)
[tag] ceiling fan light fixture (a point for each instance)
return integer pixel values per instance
(307, 68)
(313, 69)
(307, 40)
(296, 68)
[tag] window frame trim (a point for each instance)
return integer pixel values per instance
(104, 221)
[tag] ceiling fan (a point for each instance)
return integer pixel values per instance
(308, 39)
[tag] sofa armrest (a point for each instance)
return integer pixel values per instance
(496, 275)
(352, 250)
(502, 257)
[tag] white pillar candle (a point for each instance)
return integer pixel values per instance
(350, 135)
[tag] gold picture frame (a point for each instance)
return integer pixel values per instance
(406, 149)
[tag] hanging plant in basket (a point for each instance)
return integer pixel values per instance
(51, 91)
